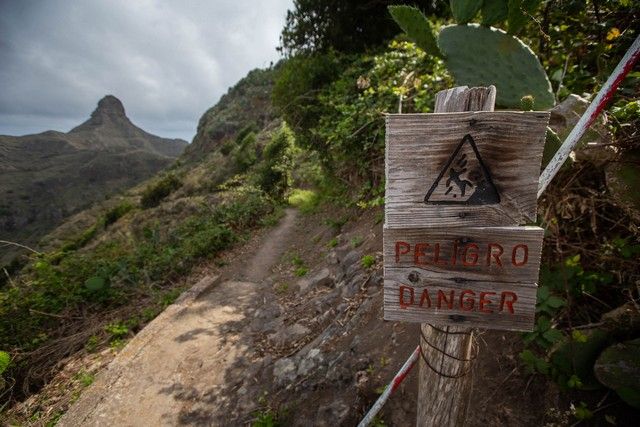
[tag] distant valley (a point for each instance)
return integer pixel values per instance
(49, 176)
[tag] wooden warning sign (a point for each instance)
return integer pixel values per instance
(458, 169)
(484, 276)
(458, 185)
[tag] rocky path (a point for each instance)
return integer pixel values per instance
(183, 366)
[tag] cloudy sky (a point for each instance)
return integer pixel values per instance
(166, 60)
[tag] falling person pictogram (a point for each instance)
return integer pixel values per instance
(468, 180)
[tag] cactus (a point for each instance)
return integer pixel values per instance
(464, 10)
(526, 103)
(519, 13)
(618, 368)
(479, 56)
(494, 11)
(577, 358)
(417, 27)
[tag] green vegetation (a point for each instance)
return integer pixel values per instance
(368, 261)
(300, 269)
(154, 193)
(356, 241)
(266, 418)
(320, 25)
(116, 213)
(85, 378)
(275, 172)
(305, 200)
(334, 96)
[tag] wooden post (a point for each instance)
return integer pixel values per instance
(445, 386)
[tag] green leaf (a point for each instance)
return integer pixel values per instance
(464, 10)
(553, 335)
(494, 11)
(555, 302)
(520, 12)
(630, 395)
(529, 360)
(582, 412)
(543, 324)
(94, 283)
(543, 293)
(542, 366)
(5, 359)
(418, 28)
(574, 382)
(573, 261)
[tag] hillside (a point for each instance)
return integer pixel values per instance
(49, 176)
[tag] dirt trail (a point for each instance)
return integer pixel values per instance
(177, 369)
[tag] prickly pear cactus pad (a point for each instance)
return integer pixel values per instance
(417, 27)
(494, 11)
(480, 56)
(464, 10)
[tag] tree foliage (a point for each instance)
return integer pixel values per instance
(345, 26)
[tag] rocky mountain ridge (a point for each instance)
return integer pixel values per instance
(51, 175)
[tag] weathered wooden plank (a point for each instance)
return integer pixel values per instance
(499, 254)
(456, 169)
(506, 306)
(443, 400)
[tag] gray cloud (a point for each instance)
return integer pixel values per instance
(168, 61)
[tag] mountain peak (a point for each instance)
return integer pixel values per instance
(111, 106)
(108, 114)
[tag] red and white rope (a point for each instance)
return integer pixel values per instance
(391, 387)
(595, 108)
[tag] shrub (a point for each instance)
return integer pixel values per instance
(227, 147)
(274, 175)
(154, 193)
(117, 212)
(244, 155)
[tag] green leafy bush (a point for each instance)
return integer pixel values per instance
(154, 193)
(274, 173)
(117, 212)
(244, 154)
(350, 129)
